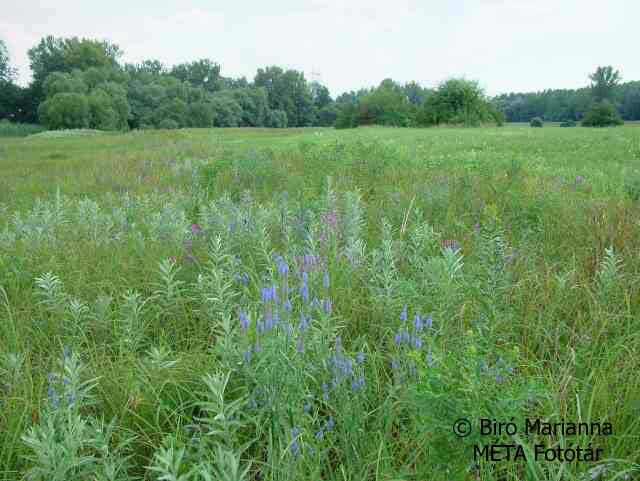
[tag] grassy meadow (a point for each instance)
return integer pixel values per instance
(317, 304)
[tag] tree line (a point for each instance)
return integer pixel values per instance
(566, 104)
(81, 83)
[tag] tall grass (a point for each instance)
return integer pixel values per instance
(13, 129)
(319, 308)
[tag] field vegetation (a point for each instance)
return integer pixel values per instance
(292, 304)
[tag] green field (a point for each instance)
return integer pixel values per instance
(241, 303)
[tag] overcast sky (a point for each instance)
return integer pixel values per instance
(508, 45)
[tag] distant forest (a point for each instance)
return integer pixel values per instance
(560, 105)
(81, 83)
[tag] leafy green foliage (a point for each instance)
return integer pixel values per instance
(11, 129)
(278, 119)
(7, 73)
(536, 122)
(602, 114)
(65, 111)
(604, 81)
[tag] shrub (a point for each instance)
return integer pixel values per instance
(536, 122)
(602, 114)
(568, 123)
(65, 111)
(168, 124)
(12, 129)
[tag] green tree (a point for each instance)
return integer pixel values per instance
(603, 83)
(386, 105)
(254, 104)
(7, 73)
(287, 91)
(226, 111)
(11, 95)
(277, 119)
(347, 116)
(602, 114)
(65, 111)
(320, 95)
(59, 82)
(201, 73)
(460, 101)
(200, 114)
(66, 55)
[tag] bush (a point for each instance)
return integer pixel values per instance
(568, 123)
(602, 114)
(12, 129)
(536, 122)
(65, 111)
(168, 124)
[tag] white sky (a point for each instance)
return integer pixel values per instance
(508, 45)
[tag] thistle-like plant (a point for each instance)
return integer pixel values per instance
(51, 291)
(66, 444)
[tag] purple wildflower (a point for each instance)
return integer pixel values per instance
(307, 408)
(247, 356)
(243, 278)
(330, 219)
(244, 321)
(265, 294)
(295, 447)
(326, 306)
(304, 323)
(417, 323)
(429, 322)
(287, 305)
(358, 383)
(260, 326)
(320, 434)
(325, 280)
(417, 342)
(196, 229)
(360, 357)
(330, 423)
(283, 267)
(304, 291)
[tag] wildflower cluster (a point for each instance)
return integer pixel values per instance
(409, 340)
